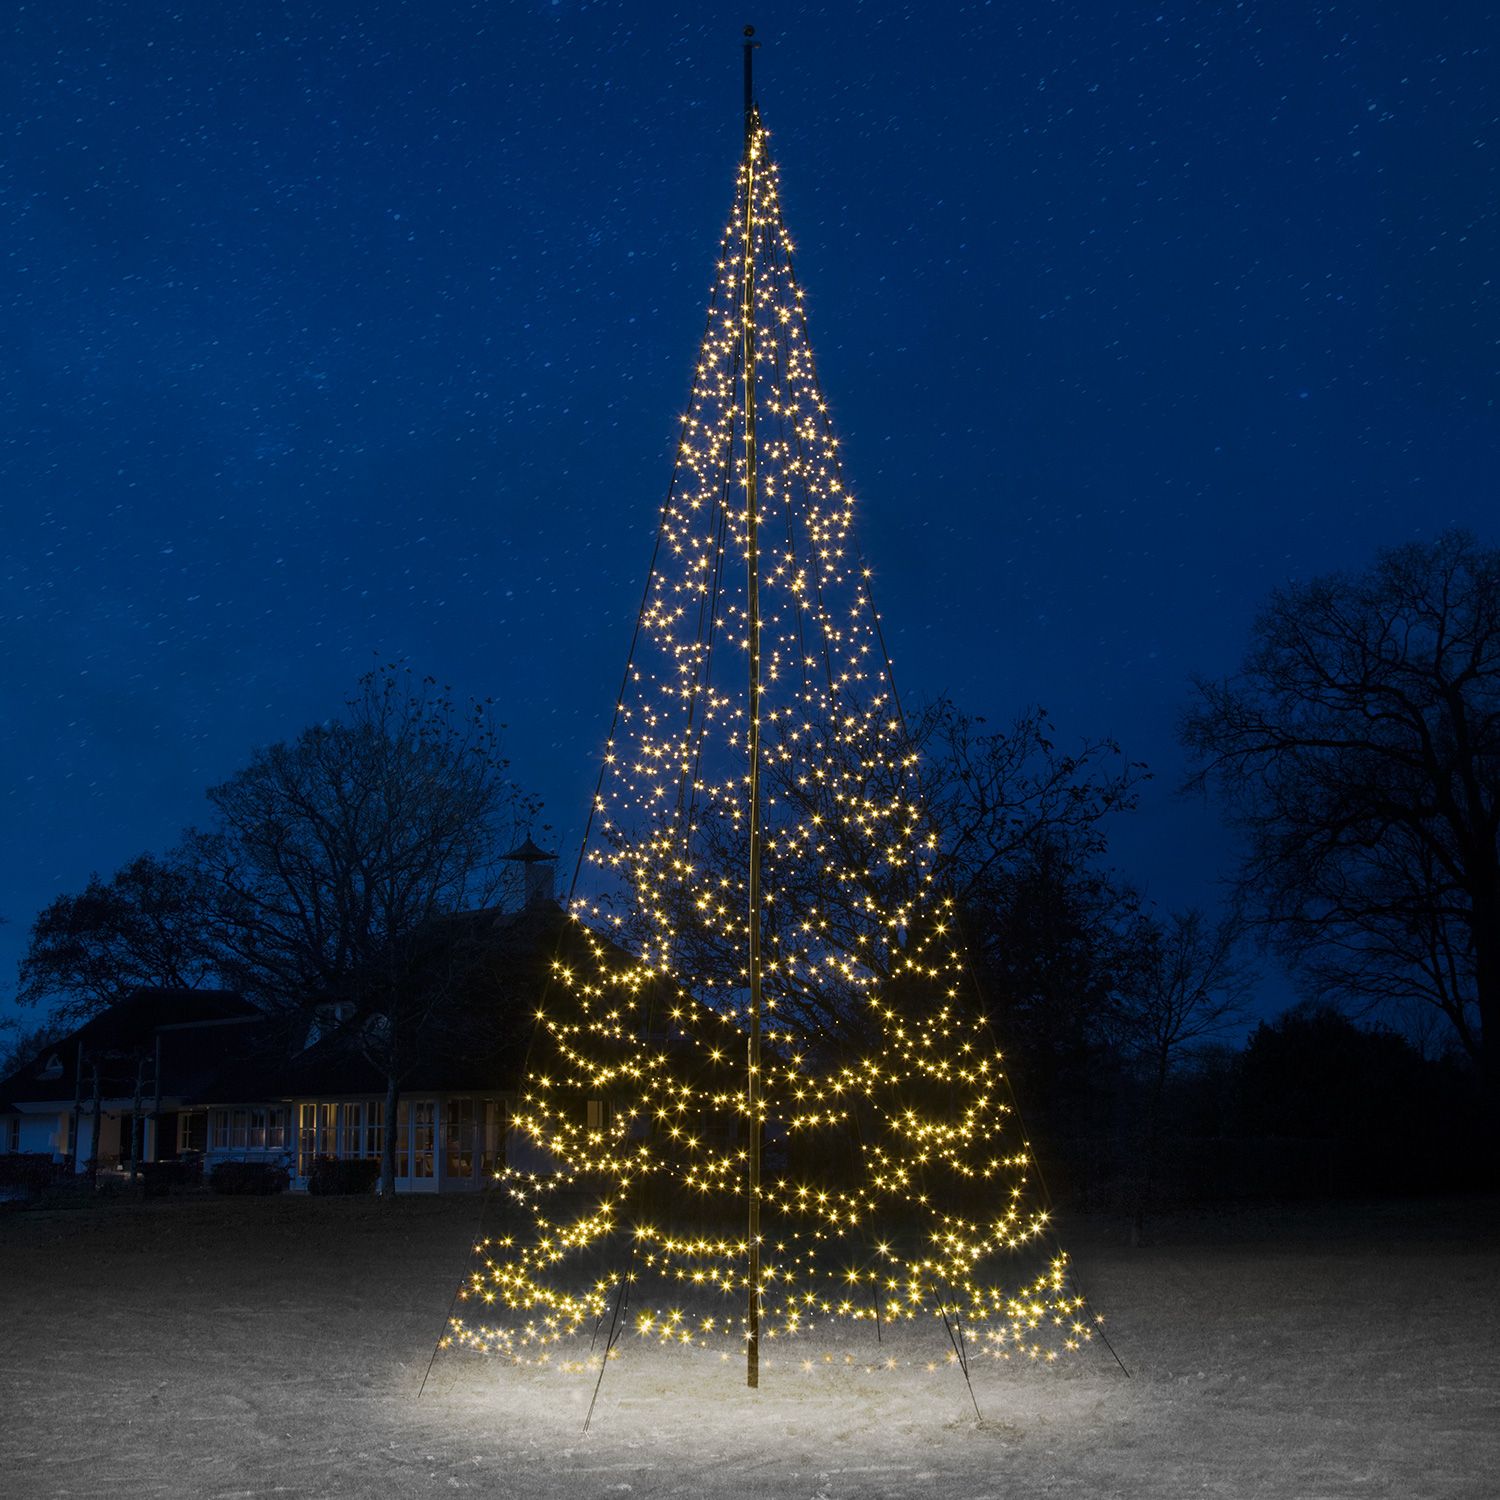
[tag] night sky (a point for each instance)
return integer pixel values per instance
(335, 329)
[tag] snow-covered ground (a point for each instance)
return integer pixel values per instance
(220, 1347)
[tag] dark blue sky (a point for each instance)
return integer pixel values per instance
(337, 328)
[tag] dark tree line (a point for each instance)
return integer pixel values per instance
(1356, 751)
(338, 866)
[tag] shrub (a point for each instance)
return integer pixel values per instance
(158, 1178)
(332, 1175)
(249, 1178)
(29, 1170)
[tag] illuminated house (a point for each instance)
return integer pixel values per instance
(452, 1117)
(205, 1075)
(150, 1059)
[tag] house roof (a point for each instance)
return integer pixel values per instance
(193, 1034)
(214, 1047)
(148, 1010)
(456, 1057)
(528, 852)
(336, 1066)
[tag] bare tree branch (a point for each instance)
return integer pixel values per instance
(1358, 749)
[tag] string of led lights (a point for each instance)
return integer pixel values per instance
(896, 1185)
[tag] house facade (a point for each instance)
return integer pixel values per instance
(196, 1074)
(125, 1086)
(445, 1142)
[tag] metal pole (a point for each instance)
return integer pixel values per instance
(77, 1114)
(752, 601)
(135, 1119)
(156, 1151)
(94, 1139)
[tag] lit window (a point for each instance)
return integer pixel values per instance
(460, 1131)
(306, 1139)
(423, 1123)
(374, 1128)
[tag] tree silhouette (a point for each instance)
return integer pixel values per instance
(341, 861)
(1188, 985)
(147, 925)
(1358, 748)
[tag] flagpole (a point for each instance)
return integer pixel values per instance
(752, 600)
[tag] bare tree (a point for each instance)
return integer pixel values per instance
(341, 860)
(1358, 748)
(143, 926)
(995, 796)
(18, 1047)
(993, 804)
(1053, 937)
(1188, 983)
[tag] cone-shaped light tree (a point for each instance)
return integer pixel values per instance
(762, 1091)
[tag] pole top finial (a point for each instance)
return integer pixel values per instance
(750, 46)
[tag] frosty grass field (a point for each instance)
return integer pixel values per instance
(246, 1347)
